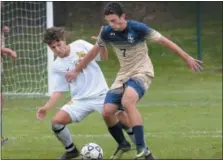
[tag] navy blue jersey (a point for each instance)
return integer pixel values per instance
(134, 33)
(131, 49)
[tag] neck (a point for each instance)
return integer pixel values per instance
(67, 50)
(124, 25)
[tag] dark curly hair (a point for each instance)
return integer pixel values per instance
(53, 34)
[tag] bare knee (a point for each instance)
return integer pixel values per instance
(109, 115)
(128, 104)
(61, 117)
(109, 110)
(56, 120)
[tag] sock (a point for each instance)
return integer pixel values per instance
(131, 135)
(139, 137)
(117, 134)
(63, 135)
(129, 131)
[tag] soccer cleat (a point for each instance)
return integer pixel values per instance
(144, 152)
(69, 155)
(3, 141)
(149, 157)
(121, 149)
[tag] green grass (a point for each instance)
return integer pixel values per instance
(182, 111)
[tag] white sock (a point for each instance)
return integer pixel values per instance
(63, 135)
(130, 132)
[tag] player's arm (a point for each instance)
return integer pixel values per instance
(9, 52)
(61, 86)
(54, 98)
(86, 59)
(103, 53)
(42, 111)
(192, 63)
(155, 36)
(103, 50)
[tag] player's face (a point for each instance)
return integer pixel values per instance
(116, 22)
(59, 48)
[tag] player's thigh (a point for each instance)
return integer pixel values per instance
(112, 101)
(61, 117)
(134, 90)
(97, 103)
(77, 109)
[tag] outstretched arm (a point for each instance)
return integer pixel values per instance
(103, 50)
(83, 63)
(85, 60)
(192, 63)
(42, 111)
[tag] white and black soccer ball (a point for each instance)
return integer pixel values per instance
(91, 151)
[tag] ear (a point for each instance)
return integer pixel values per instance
(123, 16)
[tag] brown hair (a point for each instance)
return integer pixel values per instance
(53, 34)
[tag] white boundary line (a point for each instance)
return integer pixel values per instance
(190, 134)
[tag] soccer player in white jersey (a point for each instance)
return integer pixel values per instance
(88, 90)
(128, 38)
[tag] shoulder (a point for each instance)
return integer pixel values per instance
(137, 25)
(79, 42)
(106, 31)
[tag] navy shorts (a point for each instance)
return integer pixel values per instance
(114, 96)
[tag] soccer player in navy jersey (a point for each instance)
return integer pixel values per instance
(128, 38)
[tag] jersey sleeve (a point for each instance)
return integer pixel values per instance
(88, 46)
(61, 84)
(148, 32)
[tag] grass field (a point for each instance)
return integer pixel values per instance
(182, 111)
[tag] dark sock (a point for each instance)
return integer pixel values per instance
(70, 148)
(117, 134)
(139, 136)
(123, 126)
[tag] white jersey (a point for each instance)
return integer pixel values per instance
(89, 83)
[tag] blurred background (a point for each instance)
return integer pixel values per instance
(75, 14)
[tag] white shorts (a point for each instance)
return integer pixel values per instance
(79, 109)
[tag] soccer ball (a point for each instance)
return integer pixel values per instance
(91, 151)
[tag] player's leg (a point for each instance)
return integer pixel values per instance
(74, 111)
(113, 98)
(134, 90)
(59, 122)
(125, 123)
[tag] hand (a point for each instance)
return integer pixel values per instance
(41, 113)
(5, 29)
(13, 55)
(194, 64)
(71, 75)
(94, 38)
